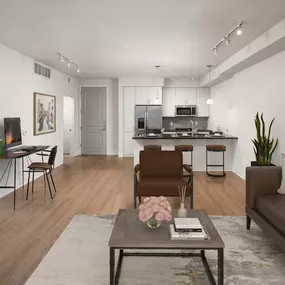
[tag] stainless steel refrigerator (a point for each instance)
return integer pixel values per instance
(148, 118)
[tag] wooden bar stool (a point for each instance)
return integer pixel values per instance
(186, 148)
(216, 148)
(152, 147)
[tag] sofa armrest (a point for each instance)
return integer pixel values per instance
(261, 180)
(188, 169)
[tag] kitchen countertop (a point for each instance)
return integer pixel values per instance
(188, 137)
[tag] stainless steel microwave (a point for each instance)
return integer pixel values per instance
(185, 110)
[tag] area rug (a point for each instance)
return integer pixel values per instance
(81, 257)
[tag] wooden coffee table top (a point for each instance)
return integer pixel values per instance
(129, 232)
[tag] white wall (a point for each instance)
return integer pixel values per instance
(258, 88)
(112, 110)
(17, 84)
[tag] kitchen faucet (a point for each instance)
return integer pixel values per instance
(192, 126)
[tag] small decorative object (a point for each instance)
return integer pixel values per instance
(1, 148)
(182, 212)
(44, 113)
(155, 210)
(264, 145)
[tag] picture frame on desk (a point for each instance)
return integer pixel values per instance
(44, 113)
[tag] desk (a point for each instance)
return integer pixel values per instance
(11, 155)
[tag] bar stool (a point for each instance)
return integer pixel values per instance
(215, 148)
(186, 148)
(152, 147)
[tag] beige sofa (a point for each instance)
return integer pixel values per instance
(263, 204)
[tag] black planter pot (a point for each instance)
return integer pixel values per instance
(254, 163)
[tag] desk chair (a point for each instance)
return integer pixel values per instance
(44, 167)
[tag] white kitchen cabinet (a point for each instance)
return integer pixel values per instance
(148, 95)
(168, 102)
(203, 108)
(128, 148)
(129, 109)
(185, 96)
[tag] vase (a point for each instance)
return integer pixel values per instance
(153, 223)
(182, 212)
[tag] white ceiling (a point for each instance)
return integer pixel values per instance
(122, 38)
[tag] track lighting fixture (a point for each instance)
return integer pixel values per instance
(227, 39)
(69, 62)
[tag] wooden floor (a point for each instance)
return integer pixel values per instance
(87, 185)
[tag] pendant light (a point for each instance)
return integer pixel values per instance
(157, 100)
(210, 100)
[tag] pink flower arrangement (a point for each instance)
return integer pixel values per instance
(157, 208)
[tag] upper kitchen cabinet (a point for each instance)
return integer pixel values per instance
(128, 109)
(168, 102)
(148, 95)
(185, 96)
(203, 108)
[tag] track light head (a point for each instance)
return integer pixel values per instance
(239, 31)
(216, 52)
(68, 64)
(228, 41)
(78, 70)
(61, 59)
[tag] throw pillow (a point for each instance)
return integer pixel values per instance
(281, 190)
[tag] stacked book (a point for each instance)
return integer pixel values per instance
(187, 229)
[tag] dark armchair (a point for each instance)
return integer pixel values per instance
(160, 173)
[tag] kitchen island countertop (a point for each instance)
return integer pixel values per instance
(188, 137)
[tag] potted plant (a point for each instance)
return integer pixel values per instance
(264, 145)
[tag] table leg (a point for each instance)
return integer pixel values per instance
(221, 267)
(15, 179)
(23, 173)
(112, 266)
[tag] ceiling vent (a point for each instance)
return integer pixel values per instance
(42, 70)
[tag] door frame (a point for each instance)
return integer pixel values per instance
(72, 137)
(80, 111)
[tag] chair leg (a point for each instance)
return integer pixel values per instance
(192, 193)
(140, 199)
(48, 185)
(248, 222)
(52, 180)
(45, 183)
(27, 196)
(33, 183)
(135, 193)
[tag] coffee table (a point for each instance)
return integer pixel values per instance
(130, 233)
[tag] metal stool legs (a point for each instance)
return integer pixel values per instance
(215, 165)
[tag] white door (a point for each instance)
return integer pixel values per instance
(168, 102)
(68, 123)
(93, 120)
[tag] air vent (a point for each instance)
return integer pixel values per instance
(42, 70)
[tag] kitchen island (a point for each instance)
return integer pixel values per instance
(199, 142)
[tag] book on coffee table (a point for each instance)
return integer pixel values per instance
(187, 225)
(186, 235)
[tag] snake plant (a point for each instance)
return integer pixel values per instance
(264, 145)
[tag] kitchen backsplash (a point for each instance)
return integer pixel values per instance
(182, 122)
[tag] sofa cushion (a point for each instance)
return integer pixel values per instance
(272, 207)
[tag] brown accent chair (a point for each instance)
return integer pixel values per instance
(160, 173)
(263, 204)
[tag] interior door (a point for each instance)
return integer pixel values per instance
(93, 120)
(68, 122)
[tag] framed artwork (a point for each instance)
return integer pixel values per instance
(44, 114)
